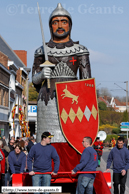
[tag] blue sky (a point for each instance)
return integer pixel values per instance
(101, 26)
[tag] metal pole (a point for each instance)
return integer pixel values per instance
(27, 104)
(126, 93)
(127, 100)
(28, 71)
(127, 96)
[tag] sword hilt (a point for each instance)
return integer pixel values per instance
(48, 83)
(47, 64)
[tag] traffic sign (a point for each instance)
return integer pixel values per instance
(32, 109)
(125, 123)
(125, 127)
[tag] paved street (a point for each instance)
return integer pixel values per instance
(103, 168)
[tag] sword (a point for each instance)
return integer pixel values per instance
(46, 63)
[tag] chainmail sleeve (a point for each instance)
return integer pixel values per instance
(36, 72)
(84, 67)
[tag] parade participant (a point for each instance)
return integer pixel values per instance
(41, 154)
(25, 147)
(22, 144)
(11, 144)
(98, 146)
(120, 157)
(6, 151)
(7, 175)
(18, 138)
(17, 161)
(68, 57)
(2, 166)
(113, 142)
(128, 144)
(31, 143)
(13, 138)
(4, 141)
(88, 162)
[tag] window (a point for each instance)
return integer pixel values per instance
(1, 96)
(4, 97)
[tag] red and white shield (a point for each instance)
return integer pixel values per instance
(78, 111)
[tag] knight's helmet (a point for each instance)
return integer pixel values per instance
(60, 11)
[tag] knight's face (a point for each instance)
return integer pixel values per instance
(60, 27)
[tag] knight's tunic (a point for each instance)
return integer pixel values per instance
(70, 59)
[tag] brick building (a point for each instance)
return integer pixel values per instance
(12, 87)
(4, 94)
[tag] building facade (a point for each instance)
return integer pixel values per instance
(32, 117)
(13, 87)
(4, 95)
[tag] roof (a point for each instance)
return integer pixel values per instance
(114, 103)
(124, 103)
(101, 99)
(7, 50)
(118, 103)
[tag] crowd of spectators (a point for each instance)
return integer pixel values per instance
(13, 157)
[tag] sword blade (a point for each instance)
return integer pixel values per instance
(42, 33)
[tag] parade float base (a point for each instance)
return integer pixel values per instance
(102, 183)
(69, 158)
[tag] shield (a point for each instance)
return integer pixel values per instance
(78, 111)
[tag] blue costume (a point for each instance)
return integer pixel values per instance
(17, 162)
(42, 156)
(120, 159)
(88, 162)
(30, 144)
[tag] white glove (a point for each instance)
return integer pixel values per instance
(46, 72)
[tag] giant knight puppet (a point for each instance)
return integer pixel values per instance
(68, 57)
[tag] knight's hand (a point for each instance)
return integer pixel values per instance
(46, 72)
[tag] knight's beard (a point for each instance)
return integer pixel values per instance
(60, 36)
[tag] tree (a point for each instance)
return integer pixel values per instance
(33, 94)
(116, 131)
(104, 92)
(102, 106)
(125, 116)
(110, 117)
(107, 128)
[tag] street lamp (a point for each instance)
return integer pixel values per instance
(126, 93)
(126, 98)
(28, 71)
(97, 90)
